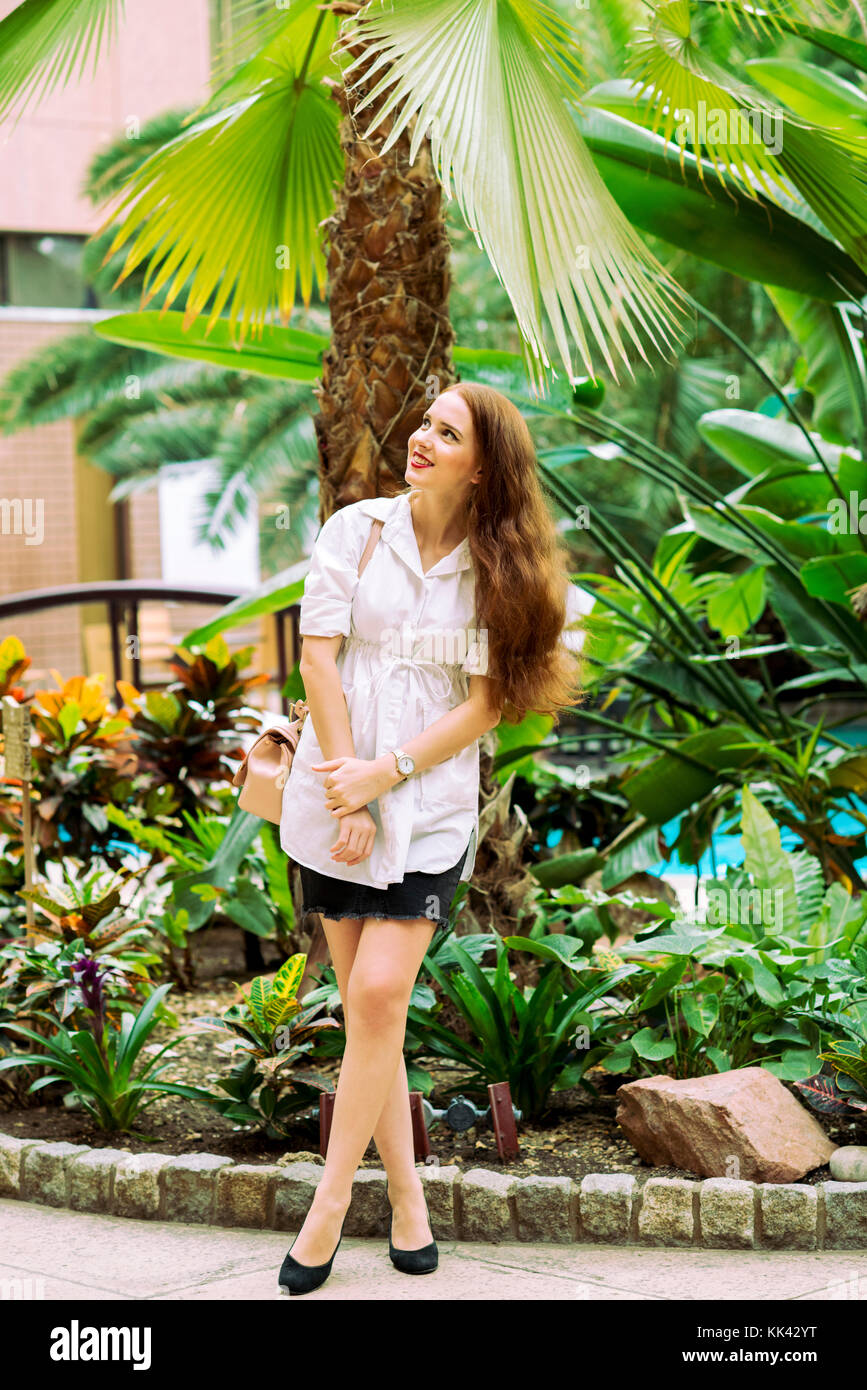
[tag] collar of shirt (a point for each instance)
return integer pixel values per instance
(398, 532)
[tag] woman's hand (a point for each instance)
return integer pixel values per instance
(353, 782)
(355, 841)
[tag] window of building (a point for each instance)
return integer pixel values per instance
(43, 270)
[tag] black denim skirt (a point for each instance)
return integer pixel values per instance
(417, 895)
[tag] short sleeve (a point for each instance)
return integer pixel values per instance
(332, 579)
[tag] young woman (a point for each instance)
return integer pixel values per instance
(456, 621)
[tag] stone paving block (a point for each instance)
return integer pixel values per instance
(605, 1204)
(137, 1185)
(789, 1213)
(727, 1208)
(485, 1206)
(90, 1177)
(369, 1211)
(438, 1182)
(666, 1216)
(477, 1205)
(244, 1194)
(190, 1181)
(12, 1151)
(293, 1194)
(544, 1207)
(845, 1215)
(44, 1172)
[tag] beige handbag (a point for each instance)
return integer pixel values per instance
(265, 770)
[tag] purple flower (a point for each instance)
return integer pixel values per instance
(89, 979)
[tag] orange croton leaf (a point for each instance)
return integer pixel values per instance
(48, 702)
(128, 692)
(92, 697)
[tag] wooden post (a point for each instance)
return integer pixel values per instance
(17, 764)
(503, 1119)
(420, 1140)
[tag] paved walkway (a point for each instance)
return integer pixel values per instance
(53, 1253)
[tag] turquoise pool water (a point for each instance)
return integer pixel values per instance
(727, 847)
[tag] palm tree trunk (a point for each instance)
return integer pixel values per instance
(389, 282)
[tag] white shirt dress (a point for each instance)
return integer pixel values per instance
(410, 647)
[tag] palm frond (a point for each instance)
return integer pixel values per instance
(117, 160)
(771, 16)
(42, 42)
(65, 379)
(233, 204)
(268, 446)
(263, 39)
(699, 387)
(184, 434)
(250, 29)
(490, 83)
(173, 382)
(605, 32)
(730, 121)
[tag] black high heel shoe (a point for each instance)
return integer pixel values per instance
(295, 1277)
(424, 1260)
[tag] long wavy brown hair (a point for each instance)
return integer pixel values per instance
(521, 566)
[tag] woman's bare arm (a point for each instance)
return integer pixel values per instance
(327, 705)
(325, 698)
(354, 782)
(455, 730)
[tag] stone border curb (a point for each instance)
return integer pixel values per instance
(475, 1205)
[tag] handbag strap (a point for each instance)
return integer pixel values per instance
(372, 539)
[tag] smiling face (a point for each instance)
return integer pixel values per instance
(441, 453)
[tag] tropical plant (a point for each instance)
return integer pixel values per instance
(90, 913)
(524, 1037)
(841, 1087)
(13, 663)
(100, 1064)
(235, 863)
(40, 979)
(186, 733)
(705, 709)
(81, 763)
(275, 1034)
(756, 983)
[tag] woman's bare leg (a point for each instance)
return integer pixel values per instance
(384, 968)
(393, 1132)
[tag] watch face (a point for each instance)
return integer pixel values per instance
(405, 764)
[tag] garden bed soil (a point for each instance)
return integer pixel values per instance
(578, 1134)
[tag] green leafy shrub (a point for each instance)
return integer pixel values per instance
(275, 1034)
(526, 1037)
(101, 1064)
(186, 734)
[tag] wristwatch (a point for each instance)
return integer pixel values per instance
(405, 762)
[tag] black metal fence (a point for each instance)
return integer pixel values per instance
(122, 598)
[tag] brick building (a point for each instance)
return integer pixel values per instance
(161, 58)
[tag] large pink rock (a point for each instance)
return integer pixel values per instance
(737, 1124)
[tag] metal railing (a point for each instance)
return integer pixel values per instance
(122, 598)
